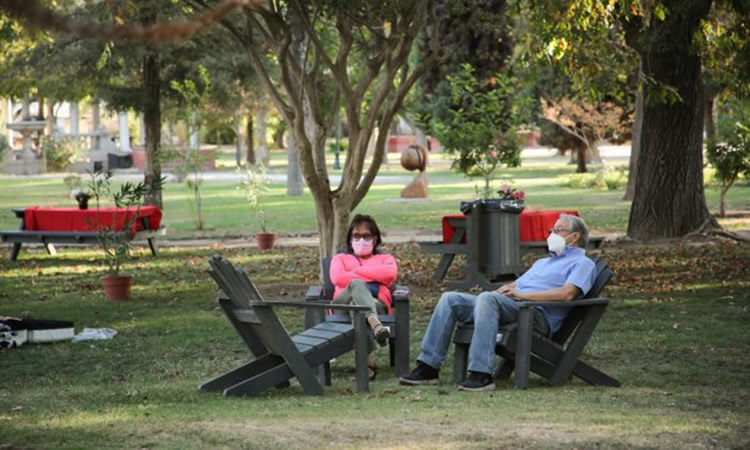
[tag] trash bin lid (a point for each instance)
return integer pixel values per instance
(494, 204)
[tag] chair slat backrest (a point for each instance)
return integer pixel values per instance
(234, 282)
(573, 319)
(241, 291)
(603, 275)
(328, 287)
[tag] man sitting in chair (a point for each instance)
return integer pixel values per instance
(565, 275)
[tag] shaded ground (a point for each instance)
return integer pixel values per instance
(676, 335)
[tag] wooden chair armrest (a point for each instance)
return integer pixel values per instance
(572, 303)
(320, 305)
(401, 294)
(314, 293)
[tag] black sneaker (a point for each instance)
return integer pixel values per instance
(422, 375)
(477, 381)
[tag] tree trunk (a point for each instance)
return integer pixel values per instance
(278, 138)
(152, 120)
(249, 132)
(294, 183)
(40, 109)
(239, 139)
(708, 115)
(722, 198)
(50, 118)
(635, 145)
(261, 153)
(669, 197)
(581, 159)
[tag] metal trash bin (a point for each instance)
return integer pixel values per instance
(493, 231)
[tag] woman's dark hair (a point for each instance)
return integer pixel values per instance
(360, 219)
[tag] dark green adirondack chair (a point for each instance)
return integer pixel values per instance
(276, 357)
(398, 322)
(557, 358)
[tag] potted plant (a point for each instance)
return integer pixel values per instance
(255, 185)
(115, 231)
(512, 197)
(73, 182)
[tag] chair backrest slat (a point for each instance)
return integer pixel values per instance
(250, 289)
(234, 282)
(603, 275)
(328, 287)
(574, 317)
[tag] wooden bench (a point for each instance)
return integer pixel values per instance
(49, 238)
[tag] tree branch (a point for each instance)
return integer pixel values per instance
(38, 16)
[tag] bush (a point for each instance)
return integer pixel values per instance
(605, 179)
(60, 154)
(220, 134)
(580, 181)
(731, 159)
(4, 146)
(343, 146)
(615, 182)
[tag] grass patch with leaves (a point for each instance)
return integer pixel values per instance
(676, 336)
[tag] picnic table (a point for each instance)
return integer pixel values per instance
(51, 225)
(458, 230)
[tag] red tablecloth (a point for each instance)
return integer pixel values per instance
(534, 225)
(74, 219)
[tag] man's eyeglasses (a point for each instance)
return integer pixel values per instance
(558, 230)
(366, 236)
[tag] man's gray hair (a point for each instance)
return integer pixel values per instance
(577, 225)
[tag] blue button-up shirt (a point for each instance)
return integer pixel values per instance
(573, 267)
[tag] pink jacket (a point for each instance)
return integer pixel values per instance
(346, 267)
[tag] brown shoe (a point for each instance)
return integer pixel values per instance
(381, 334)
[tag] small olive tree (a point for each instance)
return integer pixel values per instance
(730, 159)
(481, 129)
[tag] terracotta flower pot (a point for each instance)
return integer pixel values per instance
(117, 287)
(265, 240)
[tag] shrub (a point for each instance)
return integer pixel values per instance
(605, 179)
(580, 181)
(730, 159)
(4, 146)
(60, 154)
(220, 134)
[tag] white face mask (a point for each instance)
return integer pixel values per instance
(362, 247)
(556, 244)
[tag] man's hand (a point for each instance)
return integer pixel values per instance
(506, 289)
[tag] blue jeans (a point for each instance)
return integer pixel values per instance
(487, 311)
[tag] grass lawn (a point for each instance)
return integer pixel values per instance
(226, 211)
(676, 337)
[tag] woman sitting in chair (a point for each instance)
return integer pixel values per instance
(362, 276)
